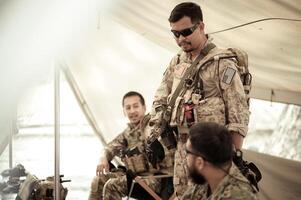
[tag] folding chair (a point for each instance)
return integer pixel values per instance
(141, 181)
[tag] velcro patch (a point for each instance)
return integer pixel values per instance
(228, 75)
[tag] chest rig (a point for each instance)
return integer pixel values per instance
(192, 82)
(189, 81)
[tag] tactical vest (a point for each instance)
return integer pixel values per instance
(134, 156)
(216, 55)
(193, 84)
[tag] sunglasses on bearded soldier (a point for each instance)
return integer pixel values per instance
(185, 32)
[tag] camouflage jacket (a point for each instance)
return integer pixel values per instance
(224, 99)
(234, 186)
(136, 136)
(130, 137)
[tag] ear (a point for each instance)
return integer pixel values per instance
(202, 26)
(124, 112)
(199, 164)
(144, 108)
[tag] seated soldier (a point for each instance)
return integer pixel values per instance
(209, 158)
(114, 185)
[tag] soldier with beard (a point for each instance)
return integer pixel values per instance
(209, 159)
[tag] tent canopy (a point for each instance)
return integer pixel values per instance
(115, 46)
(273, 45)
(107, 59)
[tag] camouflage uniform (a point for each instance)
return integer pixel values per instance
(114, 185)
(234, 186)
(224, 102)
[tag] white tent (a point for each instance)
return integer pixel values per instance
(273, 45)
(109, 48)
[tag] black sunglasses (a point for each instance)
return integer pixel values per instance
(185, 32)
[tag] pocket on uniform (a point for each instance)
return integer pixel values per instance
(211, 110)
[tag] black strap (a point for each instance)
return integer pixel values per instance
(191, 70)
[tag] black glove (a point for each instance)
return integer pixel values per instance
(169, 137)
(155, 152)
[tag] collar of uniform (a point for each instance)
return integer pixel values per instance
(184, 57)
(142, 122)
(133, 126)
(233, 173)
(200, 191)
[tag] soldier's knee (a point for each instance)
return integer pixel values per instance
(95, 194)
(95, 184)
(108, 186)
(98, 183)
(108, 189)
(114, 187)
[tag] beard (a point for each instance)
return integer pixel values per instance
(195, 177)
(186, 46)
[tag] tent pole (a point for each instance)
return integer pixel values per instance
(57, 132)
(10, 145)
(82, 103)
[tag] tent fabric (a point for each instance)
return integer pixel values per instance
(280, 177)
(107, 60)
(273, 46)
(111, 63)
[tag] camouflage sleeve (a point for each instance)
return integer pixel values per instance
(195, 191)
(234, 97)
(164, 89)
(113, 148)
(237, 187)
(161, 99)
(238, 193)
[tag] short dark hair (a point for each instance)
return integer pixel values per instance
(189, 9)
(213, 141)
(133, 93)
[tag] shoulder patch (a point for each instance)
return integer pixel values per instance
(228, 75)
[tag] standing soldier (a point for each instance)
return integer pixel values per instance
(114, 185)
(198, 86)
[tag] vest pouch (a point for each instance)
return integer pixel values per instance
(136, 163)
(211, 110)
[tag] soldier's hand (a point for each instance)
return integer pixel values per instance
(155, 152)
(237, 139)
(102, 167)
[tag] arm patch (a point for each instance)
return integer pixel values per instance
(228, 75)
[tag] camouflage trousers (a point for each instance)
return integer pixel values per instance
(101, 184)
(181, 181)
(113, 186)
